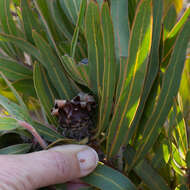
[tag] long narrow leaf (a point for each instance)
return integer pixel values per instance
(105, 178)
(134, 76)
(7, 22)
(29, 20)
(47, 20)
(45, 92)
(78, 26)
(54, 68)
(17, 96)
(95, 46)
(146, 172)
(14, 110)
(22, 44)
(23, 87)
(16, 149)
(171, 38)
(119, 12)
(14, 70)
(179, 24)
(169, 90)
(71, 8)
(61, 20)
(9, 25)
(153, 66)
(180, 131)
(75, 71)
(8, 124)
(108, 90)
(131, 9)
(169, 20)
(46, 132)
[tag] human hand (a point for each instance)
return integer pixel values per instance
(39, 169)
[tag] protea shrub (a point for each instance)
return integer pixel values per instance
(102, 73)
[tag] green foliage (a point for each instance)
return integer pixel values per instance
(136, 52)
(16, 149)
(105, 177)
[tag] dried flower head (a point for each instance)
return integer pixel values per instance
(75, 116)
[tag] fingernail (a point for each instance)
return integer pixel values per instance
(88, 160)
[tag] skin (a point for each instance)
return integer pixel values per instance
(40, 169)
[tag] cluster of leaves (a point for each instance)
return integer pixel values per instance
(136, 51)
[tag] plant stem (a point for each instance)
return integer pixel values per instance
(33, 132)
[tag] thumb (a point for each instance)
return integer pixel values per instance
(47, 167)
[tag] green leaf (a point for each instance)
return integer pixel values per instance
(120, 75)
(77, 72)
(169, 20)
(188, 158)
(178, 160)
(171, 38)
(6, 48)
(26, 87)
(71, 9)
(179, 24)
(80, 52)
(134, 76)
(106, 99)
(170, 85)
(150, 177)
(17, 2)
(13, 70)
(166, 151)
(131, 9)
(161, 156)
(178, 5)
(185, 84)
(77, 27)
(61, 20)
(16, 149)
(54, 68)
(17, 96)
(180, 131)
(7, 22)
(29, 20)
(105, 178)
(22, 44)
(14, 110)
(153, 66)
(7, 124)
(146, 172)
(46, 132)
(95, 46)
(182, 187)
(53, 34)
(45, 91)
(119, 13)
(9, 26)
